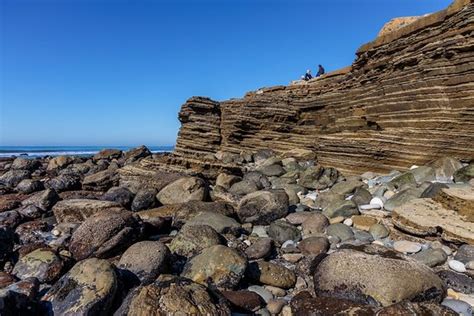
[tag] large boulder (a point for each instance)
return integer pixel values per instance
(12, 178)
(378, 276)
(171, 295)
(63, 183)
(145, 259)
(59, 162)
(42, 264)
(183, 190)
(319, 178)
(104, 234)
(263, 207)
(192, 239)
(140, 175)
(120, 195)
(100, 181)
(29, 186)
(144, 199)
(77, 210)
(222, 265)
(43, 199)
(25, 164)
(220, 223)
(136, 153)
(87, 289)
(108, 154)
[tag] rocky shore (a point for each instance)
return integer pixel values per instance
(280, 235)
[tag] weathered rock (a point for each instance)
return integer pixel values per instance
(77, 210)
(341, 231)
(445, 167)
(100, 181)
(378, 231)
(243, 187)
(105, 233)
(144, 199)
(274, 170)
(87, 289)
(261, 248)
(220, 223)
(260, 180)
(244, 301)
(42, 264)
(6, 243)
(281, 231)
(136, 153)
(315, 225)
(304, 304)
(10, 219)
(12, 178)
(401, 198)
(398, 278)
(423, 217)
(271, 274)
(119, 195)
(33, 232)
(171, 295)
(344, 208)
(145, 259)
(108, 154)
(361, 196)
(63, 183)
(226, 180)
(19, 298)
(43, 199)
(263, 207)
(363, 222)
(409, 308)
(431, 257)
(59, 162)
(223, 266)
(465, 174)
(347, 187)
(25, 164)
(192, 239)
(458, 198)
(318, 177)
(423, 173)
(142, 175)
(314, 246)
(183, 190)
(465, 253)
(457, 281)
(28, 186)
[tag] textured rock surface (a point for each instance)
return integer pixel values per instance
(419, 77)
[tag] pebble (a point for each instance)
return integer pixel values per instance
(277, 291)
(460, 307)
(275, 306)
(470, 265)
(377, 201)
(406, 246)
(348, 222)
(288, 244)
(378, 231)
(56, 232)
(260, 290)
(457, 266)
(286, 311)
(247, 242)
(378, 242)
(336, 220)
(388, 194)
(260, 231)
(292, 257)
(370, 206)
(300, 283)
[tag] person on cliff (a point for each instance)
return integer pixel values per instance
(320, 71)
(308, 75)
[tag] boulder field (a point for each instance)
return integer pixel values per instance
(285, 235)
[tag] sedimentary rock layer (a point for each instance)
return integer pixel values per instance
(407, 98)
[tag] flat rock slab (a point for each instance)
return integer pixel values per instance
(427, 217)
(77, 210)
(458, 198)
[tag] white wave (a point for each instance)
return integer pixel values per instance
(61, 153)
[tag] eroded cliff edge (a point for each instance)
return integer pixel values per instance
(407, 98)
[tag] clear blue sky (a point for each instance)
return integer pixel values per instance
(92, 72)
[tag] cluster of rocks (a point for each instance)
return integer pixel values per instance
(284, 236)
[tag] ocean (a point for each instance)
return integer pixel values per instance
(41, 151)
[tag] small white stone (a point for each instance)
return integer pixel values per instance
(413, 167)
(457, 266)
(56, 232)
(378, 242)
(370, 207)
(288, 243)
(377, 200)
(406, 246)
(312, 196)
(348, 222)
(470, 265)
(247, 242)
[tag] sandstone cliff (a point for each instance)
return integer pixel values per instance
(407, 98)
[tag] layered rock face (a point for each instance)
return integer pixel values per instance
(407, 98)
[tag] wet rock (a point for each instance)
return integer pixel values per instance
(314, 245)
(408, 279)
(6, 243)
(104, 234)
(263, 207)
(33, 232)
(431, 257)
(100, 181)
(409, 308)
(281, 231)
(19, 298)
(28, 186)
(171, 295)
(183, 190)
(223, 266)
(341, 231)
(63, 183)
(12, 178)
(145, 259)
(87, 289)
(244, 301)
(77, 210)
(261, 248)
(25, 164)
(192, 239)
(43, 199)
(465, 253)
(304, 304)
(119, 195)
(144, 199)
(10, 201)
(465, 174)
(271, 274)
(59, 162)
(42, 264)
(219, 222)
(344, 208)
(457, 281)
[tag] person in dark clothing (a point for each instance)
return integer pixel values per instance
(308, 75)
(320, 71)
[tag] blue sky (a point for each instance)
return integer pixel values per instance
(103, 72)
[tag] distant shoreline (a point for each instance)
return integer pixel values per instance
(79, 151)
